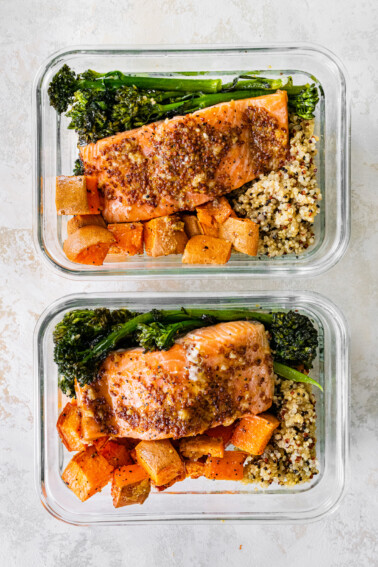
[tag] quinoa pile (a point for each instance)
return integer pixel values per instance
(290, 457)
(284, 203)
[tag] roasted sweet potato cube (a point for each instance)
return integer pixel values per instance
(93, 195)
(71, 195)
(242, 233)
(116, 454)
(214, 212)
(100, 442)
(69, 427)
(194, 469)
(178, 478)
(196, 447)
(209, 230)
(230, 467)
(160, 460)
(130, 485)
(88, 245)
(129, 442)
(253, 433)
(206, 250)
(87, 473)
(224, 431)
(129, 238)
(79, 221)
(164, 236)
(191, 225)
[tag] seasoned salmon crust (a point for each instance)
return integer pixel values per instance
(210, 377)
(178, 164)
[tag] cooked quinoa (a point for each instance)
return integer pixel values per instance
(290, 457)
(284, 203)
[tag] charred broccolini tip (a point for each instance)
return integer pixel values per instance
(79, 331)
(303, 103)
(62, 88)
(294, 339)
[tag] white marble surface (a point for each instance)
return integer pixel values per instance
(29, 31)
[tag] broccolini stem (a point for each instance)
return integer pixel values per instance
(206, 100)
(245, 82)
(115, 80)
(294, 375)
(181, 327)
(229, 315)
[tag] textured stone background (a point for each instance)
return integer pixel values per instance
(29, 31)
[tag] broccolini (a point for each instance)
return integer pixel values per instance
(84, 338)
(103, 104)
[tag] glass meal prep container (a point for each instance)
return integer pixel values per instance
(56, 150)
(202, 499)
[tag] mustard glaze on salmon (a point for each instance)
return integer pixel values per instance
(181, 163)
(211, 376)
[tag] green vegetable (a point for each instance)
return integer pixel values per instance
(84, 338)
(62, 88)
(79, 331)
(158, 336)
(304, 102)
(78, 168)
(293, 374)
(101, 105)
(248, 82)
(66, 82)
(294, 339)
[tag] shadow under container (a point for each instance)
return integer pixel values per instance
(203, 500)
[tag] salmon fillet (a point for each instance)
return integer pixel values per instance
(178, 164)
(210, 377)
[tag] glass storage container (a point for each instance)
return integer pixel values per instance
(203, 500)
(55, 153)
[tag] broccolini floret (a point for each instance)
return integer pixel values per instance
(294, 339)
(80, 331)
(62, 88)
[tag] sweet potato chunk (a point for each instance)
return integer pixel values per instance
(129, 238)
(130, 485)
(209, 230)
(230, 467)
(164, 236)
(93, 195)
(69, 427)
(87, 473)
(242, 233)
(206, 250)
(191, 225)
(88, 245)
(71, 195)
(178, 478)
(196, 447)
(77, 195)
(84, 220)
(214, 212)
(116, 454)
(194, 469)
(223, 431)
(160, 460)
(252, 434)
(100, 442)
